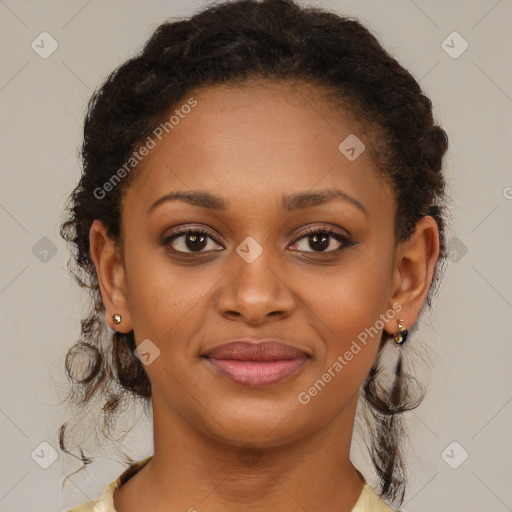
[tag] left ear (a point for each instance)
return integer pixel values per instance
(414, 268)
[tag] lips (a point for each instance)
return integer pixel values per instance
(261, 351)
(256, 364)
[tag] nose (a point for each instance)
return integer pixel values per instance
(255, 292)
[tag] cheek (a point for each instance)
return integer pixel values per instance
(352, 310)
(168, 302)
(357, 296)
(350, 342)
(158, 295)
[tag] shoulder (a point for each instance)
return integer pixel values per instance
(90, 506)
(370, 501)
(105, 503)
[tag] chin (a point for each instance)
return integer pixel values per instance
(262, 424)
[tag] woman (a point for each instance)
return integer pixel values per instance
(260, 216)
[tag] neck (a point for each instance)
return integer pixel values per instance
(190, 471)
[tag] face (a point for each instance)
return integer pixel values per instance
(266, 258)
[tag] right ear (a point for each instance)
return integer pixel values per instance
(110, 270)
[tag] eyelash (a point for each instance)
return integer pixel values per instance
(345, 240)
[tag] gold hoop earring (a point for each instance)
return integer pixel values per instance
(401, 335)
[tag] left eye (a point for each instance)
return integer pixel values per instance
(195, 240)
(319, 239)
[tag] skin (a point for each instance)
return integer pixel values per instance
(219, 445)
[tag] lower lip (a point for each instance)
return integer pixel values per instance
(257, 373)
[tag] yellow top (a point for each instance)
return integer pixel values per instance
(369, 500)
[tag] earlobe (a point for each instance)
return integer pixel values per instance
(111, 277)
(414, 269)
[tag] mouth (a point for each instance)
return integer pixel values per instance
(256, 364)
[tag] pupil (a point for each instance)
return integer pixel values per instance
(324, 241)
(196, 238)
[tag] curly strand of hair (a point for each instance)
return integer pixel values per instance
(387, 407)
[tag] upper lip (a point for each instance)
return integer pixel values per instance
(256, 350)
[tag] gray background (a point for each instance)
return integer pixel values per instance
(42, 103)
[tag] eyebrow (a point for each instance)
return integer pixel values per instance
(293, 202)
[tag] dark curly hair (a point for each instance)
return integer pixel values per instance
(233, 42)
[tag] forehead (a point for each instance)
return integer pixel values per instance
(254, 139)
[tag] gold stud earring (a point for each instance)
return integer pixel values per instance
(401, 335)
(117, 318)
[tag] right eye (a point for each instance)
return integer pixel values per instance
(193, 239)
